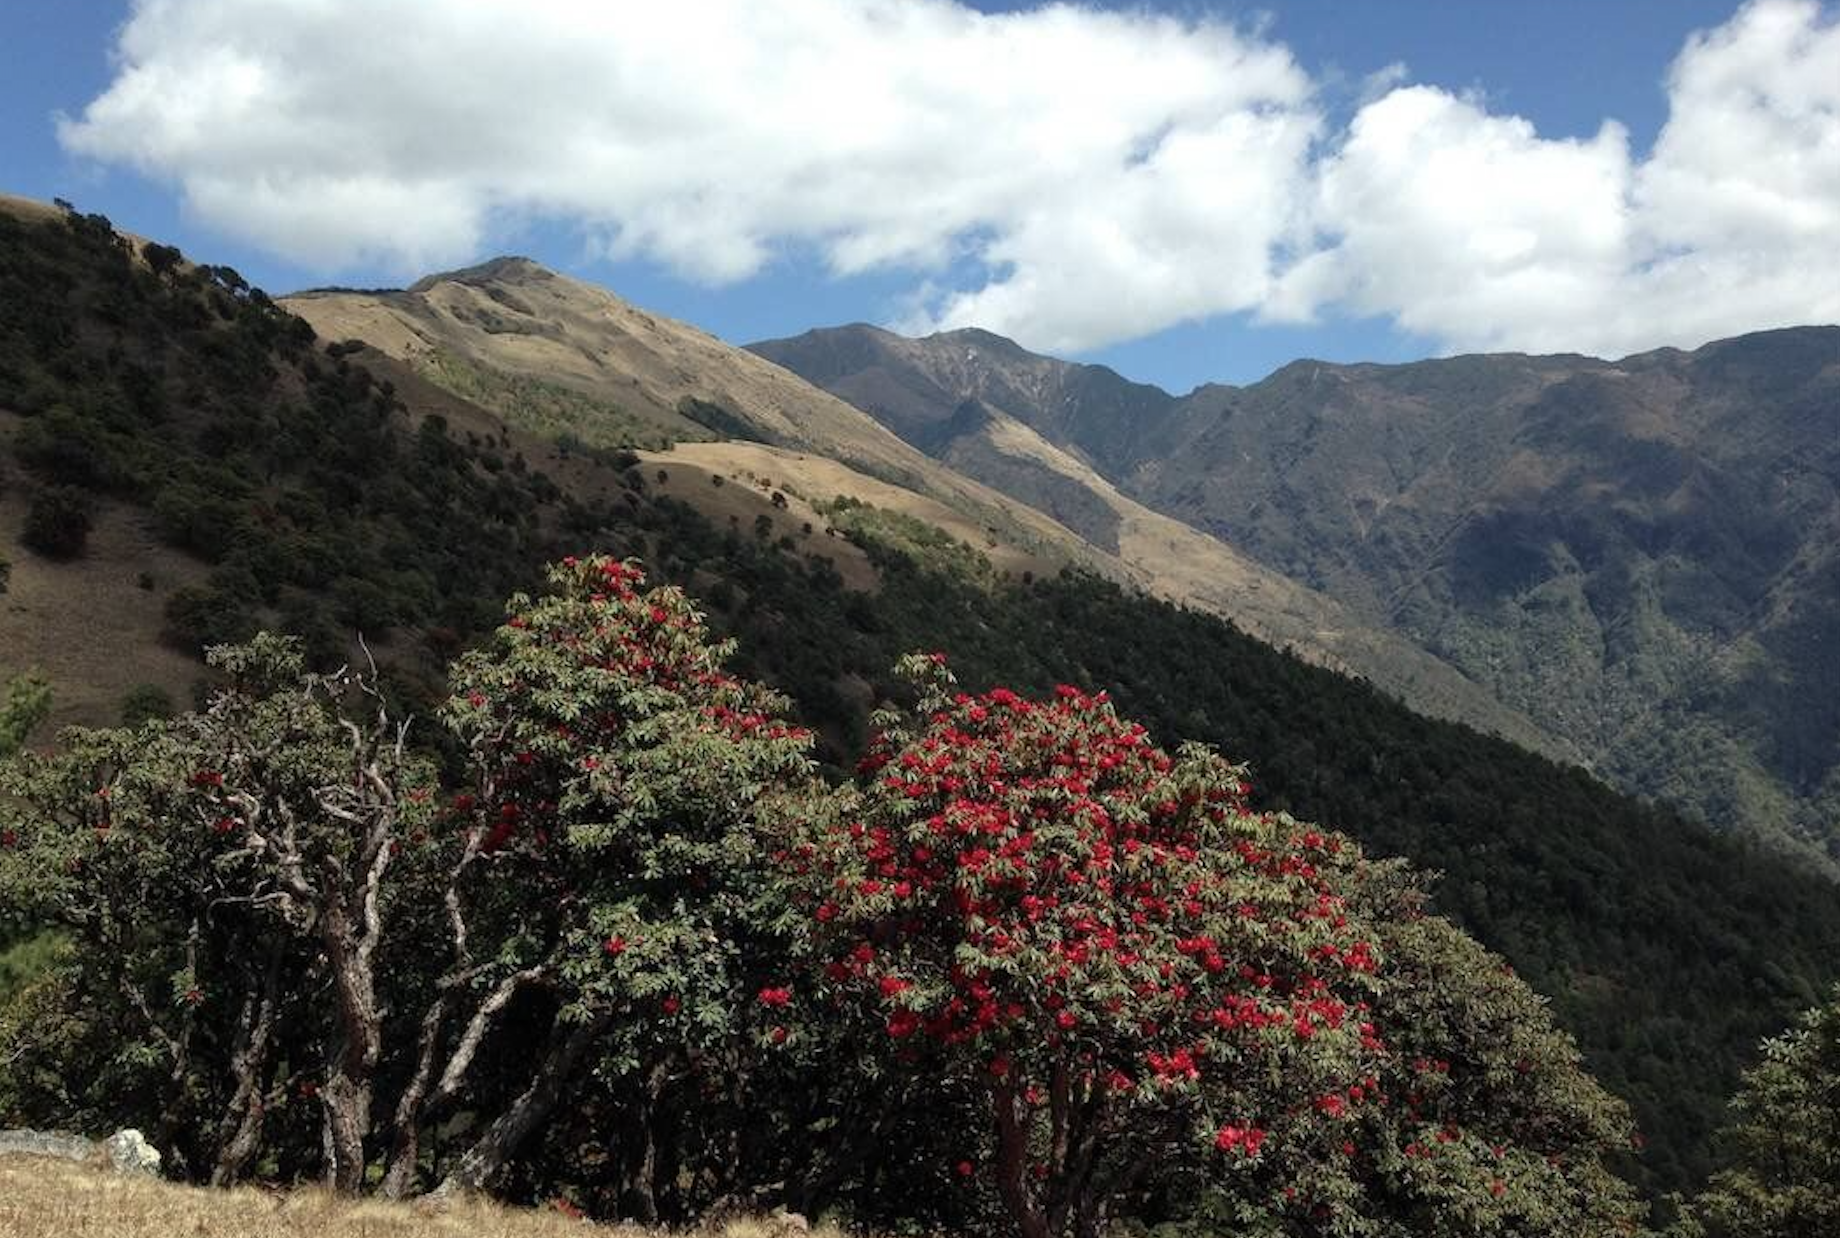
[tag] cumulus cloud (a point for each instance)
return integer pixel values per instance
(1464, 226)
(1474, 230)
(1070, 176)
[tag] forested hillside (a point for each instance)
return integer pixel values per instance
(301, 491)
(1639, 554)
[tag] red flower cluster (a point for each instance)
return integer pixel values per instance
(1245, 1140)
(1036, 887)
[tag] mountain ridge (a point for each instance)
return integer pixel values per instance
(511, 315)
(1636, 553)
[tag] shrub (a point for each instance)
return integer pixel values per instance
(145, 702)
(200, 616)
(58, 523)
(161, 259)
(65, 449)
(24, 705)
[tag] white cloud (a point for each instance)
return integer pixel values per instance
(1109, 174)
(1465, 227)
(1473, 230)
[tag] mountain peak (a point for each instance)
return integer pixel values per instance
(505, 269)
(978, 337)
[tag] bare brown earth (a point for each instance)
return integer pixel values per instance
(100, 599)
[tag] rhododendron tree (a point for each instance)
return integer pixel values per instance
(618, 779)
(1158, 994)
(217, 868)
(1133, 968)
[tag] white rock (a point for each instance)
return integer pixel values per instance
(130, 1153)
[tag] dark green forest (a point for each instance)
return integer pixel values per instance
(324, 506)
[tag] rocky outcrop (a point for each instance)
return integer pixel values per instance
(125, 1152)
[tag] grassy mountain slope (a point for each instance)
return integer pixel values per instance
(1641, 555)
(498, 331)
(484, 329)
(327, 493)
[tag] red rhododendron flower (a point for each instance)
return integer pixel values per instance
(1243, 1139)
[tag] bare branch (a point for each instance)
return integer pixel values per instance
(468, 1047)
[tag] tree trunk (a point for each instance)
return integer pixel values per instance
(645, 1173)
(1012, 1167)
(481, 1164)
(347, 1105)
(239, 1134)
(406, 1148)
(352, 1064)
(425, 1098)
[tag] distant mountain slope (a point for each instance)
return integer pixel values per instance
(484, 331)
(1643, 556)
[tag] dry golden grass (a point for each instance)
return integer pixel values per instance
(43, 1198)
(549, 326)
(741, 498)
(810, 477)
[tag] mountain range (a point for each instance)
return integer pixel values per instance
(1641, 557)
(644, 378)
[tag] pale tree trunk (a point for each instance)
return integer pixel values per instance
(424, 1098)
(352, 1063)
(481, 1164)
(350, 917)
(239, 1133)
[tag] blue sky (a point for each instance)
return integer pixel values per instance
(1563, 67)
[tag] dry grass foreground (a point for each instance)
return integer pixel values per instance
(44, 1198)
